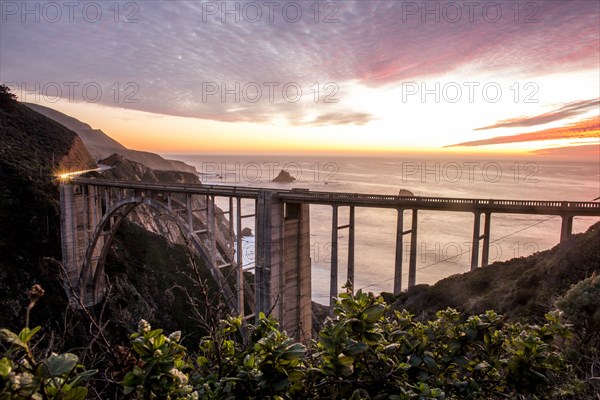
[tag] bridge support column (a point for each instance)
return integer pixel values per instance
(80, 209)
(398, 263)
(297, 300)
(412, 265)
(485, 252)
(269, 223)
(475, 243)
(283, 276)
(566, 227)
(239, 257)
(333, 282)
(350, 274)
(211, 230)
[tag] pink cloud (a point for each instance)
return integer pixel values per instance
(587, 128)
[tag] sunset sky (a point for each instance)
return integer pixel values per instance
(318, 77)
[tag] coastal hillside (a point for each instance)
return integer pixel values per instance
(33, 149)
(100, 145)
(144, 267)
(522, 288)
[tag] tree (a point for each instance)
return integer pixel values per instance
(7, 99)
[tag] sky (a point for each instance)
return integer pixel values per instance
(315, 76)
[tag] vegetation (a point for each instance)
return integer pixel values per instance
(581, 305)
(367, 351)
(24, 376)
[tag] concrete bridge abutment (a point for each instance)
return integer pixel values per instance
(283, 264)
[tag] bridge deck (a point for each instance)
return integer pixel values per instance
(581, 208)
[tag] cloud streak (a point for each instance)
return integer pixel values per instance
(591, 151)
(341, 118)
(565, 111)
(585, 129)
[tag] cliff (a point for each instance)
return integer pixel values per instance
(33, 149)
(148, 272)
(100, 145)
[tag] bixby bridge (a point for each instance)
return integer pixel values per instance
(93, 209)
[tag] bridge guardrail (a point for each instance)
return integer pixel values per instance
(551, 206)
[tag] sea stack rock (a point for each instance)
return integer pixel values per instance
(284, 176)
(405, 193)
(246, 232)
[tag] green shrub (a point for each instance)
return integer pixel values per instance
(24, 376)
(581, 307)
(364, 352)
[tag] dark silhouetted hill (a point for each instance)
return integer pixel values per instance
(33, 149)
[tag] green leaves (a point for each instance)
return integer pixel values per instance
(5, 367)
(57, 365)
(12, 338)
(23, 377)
(162, 368)
(366, 351)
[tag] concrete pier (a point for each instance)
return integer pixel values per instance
(283, 274)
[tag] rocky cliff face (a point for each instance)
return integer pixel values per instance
(123, 169)
(100, 145)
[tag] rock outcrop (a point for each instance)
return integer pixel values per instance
(284, 177)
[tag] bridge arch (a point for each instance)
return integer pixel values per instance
(91, 278)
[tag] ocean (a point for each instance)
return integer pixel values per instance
(444, 238)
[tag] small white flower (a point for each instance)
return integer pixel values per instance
(15, 381)
(175, 336)
(144, 326)
(157, 353)
(181, 377)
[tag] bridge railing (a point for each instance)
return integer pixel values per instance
(318, 196)
(438, 200)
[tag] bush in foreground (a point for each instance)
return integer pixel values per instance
(23, 375)
(365, 352)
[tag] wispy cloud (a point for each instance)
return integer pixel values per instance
(587, 128)
(577, 152)
(565, 111)
(173, 51)
(340, 118)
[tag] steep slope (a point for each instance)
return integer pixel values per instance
(143, 267)
(100, 145)
(33, 149)
(522, 288)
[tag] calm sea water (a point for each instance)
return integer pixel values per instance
(444, 238)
